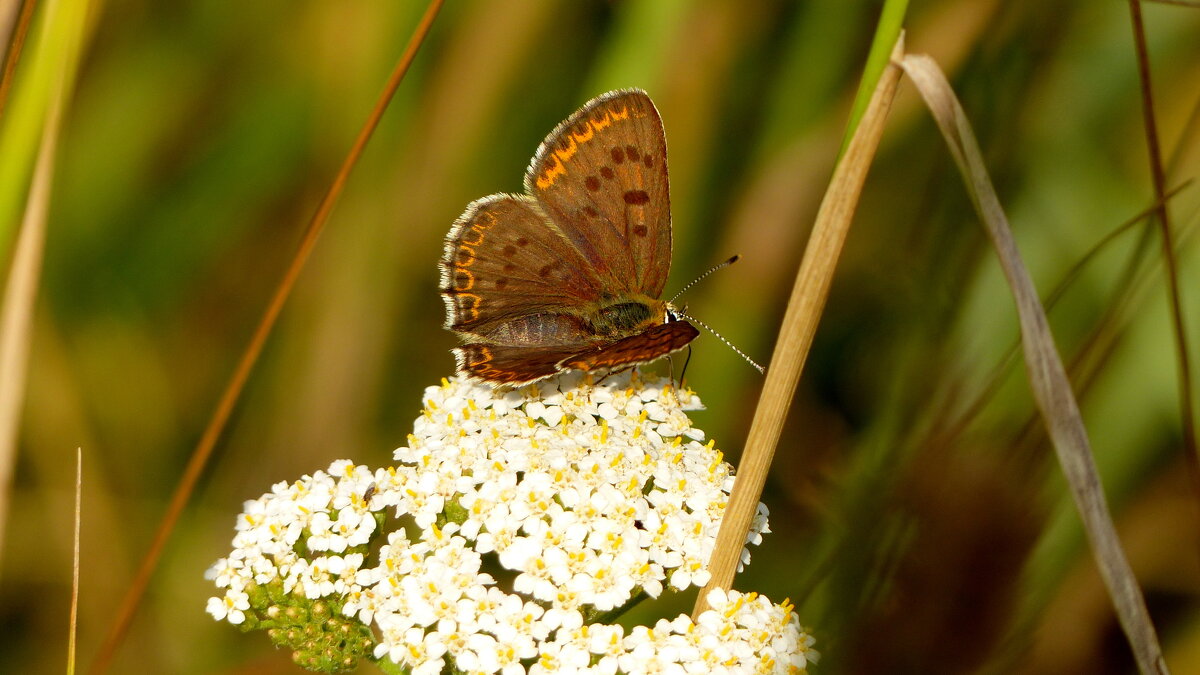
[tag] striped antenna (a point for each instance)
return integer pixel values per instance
(718, 335)
(723, 265)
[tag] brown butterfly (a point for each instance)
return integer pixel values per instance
(569, 274)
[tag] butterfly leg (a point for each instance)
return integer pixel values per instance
(614, 371)
(686, 361)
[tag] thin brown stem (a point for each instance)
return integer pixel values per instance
(995, 378)
(1158, 176)
(73, 623)
(233, 389)
(14, 51)
(1181, 3)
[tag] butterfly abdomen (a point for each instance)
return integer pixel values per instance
(540, 329)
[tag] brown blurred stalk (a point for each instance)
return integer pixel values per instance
(13, 56)
(1158, 175)
(241, 374)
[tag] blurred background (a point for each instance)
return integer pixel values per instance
(920, 521)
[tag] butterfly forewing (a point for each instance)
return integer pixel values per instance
(503, 260)
(601, 176)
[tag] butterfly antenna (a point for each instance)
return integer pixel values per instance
(718, 335)
(723, 265)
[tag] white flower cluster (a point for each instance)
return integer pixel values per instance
(581, 498)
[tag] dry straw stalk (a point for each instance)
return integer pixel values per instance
(796, 334)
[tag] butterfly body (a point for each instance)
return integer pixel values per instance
(569, 275)
(625, 316)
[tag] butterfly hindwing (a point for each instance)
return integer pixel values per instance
(653, 343)
(503, 260)
(509, 366)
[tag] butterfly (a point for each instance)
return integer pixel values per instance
(569, 274)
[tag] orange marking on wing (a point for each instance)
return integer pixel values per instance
(596, 362)
(568, 152)
(586, 136)
(480, 368)
(471, 310)
(465, 261)
(459, 284)
(593, 126)
(551, 174)
(484, 355)
(479, 236)
(609, 118)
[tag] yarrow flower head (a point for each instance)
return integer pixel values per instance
(513, 527)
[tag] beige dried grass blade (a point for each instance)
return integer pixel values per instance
(73, 623)
(20, 292)
(795, 335)
(1047, 378)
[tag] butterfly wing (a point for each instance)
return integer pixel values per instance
(653, 343)
(601, 177)
(504, 262)
(510, 366)
(514, 366)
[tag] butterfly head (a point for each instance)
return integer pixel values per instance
(673, 313)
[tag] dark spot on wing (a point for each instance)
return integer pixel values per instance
(636, 197)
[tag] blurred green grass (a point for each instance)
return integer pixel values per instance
(202, 135)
